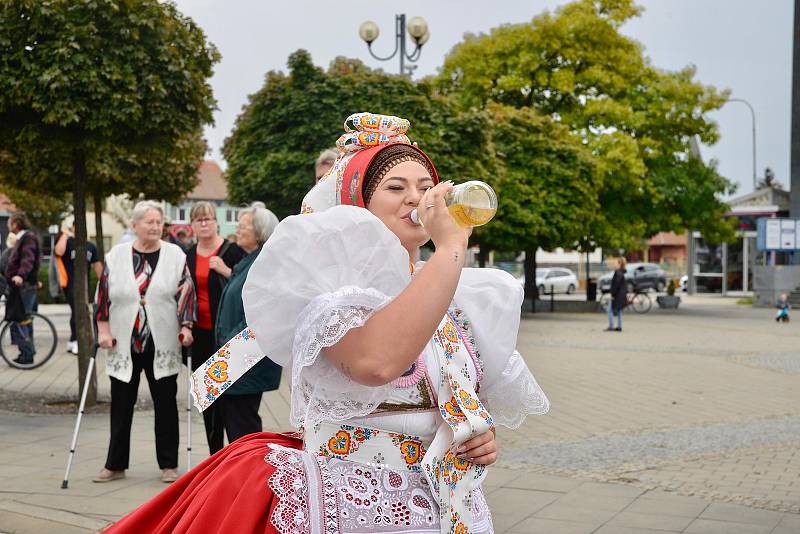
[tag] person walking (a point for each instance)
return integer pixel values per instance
(22, 274)
(210, 262)
(65, 249)
(146, 310)
(619, 296)
(239, 404)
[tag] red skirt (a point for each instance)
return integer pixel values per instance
(226, 493)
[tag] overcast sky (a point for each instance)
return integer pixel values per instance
(741, 45)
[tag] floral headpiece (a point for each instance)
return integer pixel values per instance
(366, 135)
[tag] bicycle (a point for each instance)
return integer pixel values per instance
(640, 301)
(44, 336)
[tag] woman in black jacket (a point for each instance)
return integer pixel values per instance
(210, 262)
(619, 296)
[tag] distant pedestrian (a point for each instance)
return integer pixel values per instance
(146, 310)
(324, 162)
(210, 262)
(619, 295)
(65, 250)
(239, 404)
(11, 240)
(22, 273)
(783, 306)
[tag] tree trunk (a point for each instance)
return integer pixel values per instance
(588, 277)
(483, 253)
(80, 284)
(531, 291)
(98, 224)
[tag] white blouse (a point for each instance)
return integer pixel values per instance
(321, 274)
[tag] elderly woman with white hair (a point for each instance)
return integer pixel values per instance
(240, 402)
(146, 309)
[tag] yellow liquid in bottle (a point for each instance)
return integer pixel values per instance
(469, 216)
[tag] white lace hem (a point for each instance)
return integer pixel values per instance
(515, 395)
(320, 392)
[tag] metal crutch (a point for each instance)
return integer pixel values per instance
(86, 384)
(189, 409)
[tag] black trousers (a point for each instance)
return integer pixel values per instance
(202, 349)
(240, 413)
(123, 400)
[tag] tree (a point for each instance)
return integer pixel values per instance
(42, 210)
(575, 67)
(294, 116)
(548, 191)
(89, 88)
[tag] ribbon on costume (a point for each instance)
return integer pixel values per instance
(452, 479)
(224, 367)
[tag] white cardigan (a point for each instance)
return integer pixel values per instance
(160, 305)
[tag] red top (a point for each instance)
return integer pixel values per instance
(201, 272)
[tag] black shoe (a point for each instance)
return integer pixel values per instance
(609, 329)
(22, 361)
(618, 329)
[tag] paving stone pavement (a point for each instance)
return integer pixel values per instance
(684, 422)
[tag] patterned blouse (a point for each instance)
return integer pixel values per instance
(144, 264)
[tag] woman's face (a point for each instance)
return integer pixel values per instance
(148, 228)
(204, 226)
(245, 233)
(396, 196)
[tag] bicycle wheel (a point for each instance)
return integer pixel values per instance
(605, 300)
(642, 303)
(45, 340)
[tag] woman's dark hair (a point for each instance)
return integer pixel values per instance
(20, 220)
(384, 161)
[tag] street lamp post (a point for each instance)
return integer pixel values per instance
(418, 30)
(753, 116)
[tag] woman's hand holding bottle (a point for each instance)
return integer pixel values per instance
(443, 230)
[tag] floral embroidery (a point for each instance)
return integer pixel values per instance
(215, 375)
(218, 372)
(464, 326)
(346, 441)
(467, 401)
(450, 332)
(353, 190)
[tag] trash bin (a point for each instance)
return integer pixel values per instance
(591, 290)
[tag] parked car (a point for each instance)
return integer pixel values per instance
(561, 280)
(639, 277)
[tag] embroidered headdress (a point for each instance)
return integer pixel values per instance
(371, 145)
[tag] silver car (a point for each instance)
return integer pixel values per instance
(554, 279)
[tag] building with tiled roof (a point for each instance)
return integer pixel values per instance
(211, 187)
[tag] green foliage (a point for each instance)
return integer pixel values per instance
(42, 210)
(122, 82)
(575, 67)
(100, 97)
(294, 116)
(671, 288)
(547, 192)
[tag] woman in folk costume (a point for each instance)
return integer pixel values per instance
(399, 372)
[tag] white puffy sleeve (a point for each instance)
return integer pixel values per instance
(318, 276)
(491, 300)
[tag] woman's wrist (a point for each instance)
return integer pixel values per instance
(456, 252)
